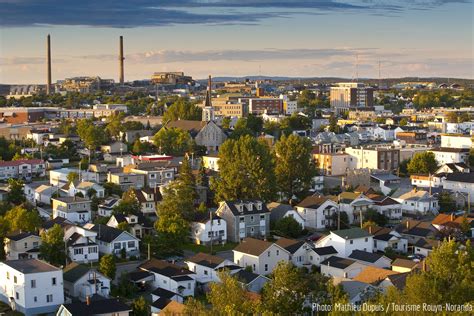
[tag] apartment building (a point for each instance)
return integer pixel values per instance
(373, 157)
(73, 208)
(331, 164)
(31, 286)
(267, 105)
(22, 169)
(348, 95)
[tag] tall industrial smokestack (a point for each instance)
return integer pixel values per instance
(48, 47)
(121, 59)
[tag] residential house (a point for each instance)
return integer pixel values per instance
(387, 206)
(58, 177)
(31, 286)
(385, 182)
(114, 148)
(81, 244)
(207, 266)
(450, 224)
(25, 169)
(245, 219)
(73, 208)
(205, 133)
(115, 241)
(148, 200)
(385, 133)
(322, 253)
(317, 211)
(161, 298)
(22, 245)
(424, 246)
(462, 183)
(414, 230)
(371, 259)
(373, 275)
(44, 193)
(341, 267)
(302, 254)
(102, 307)
(211, 162)
(345, 241)
(138, 225)
(331, 164)
(357, 292)
(387, 238)
(261, 256)
(156, 173)
(418, 202)
(252, 282)
(398, 281)
(279, 211)
(404, 265)
(453, 168)
(127, 180)
(451, 155)
(106, 208)
(85, 188)
(355, 205)
(82, 281)
(170, 277)
(207, 228)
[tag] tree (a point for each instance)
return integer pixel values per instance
(84, 164)
(72, 177)
(227, 297)
(52, 245)
(91, 192)
(285, 293)
(226, 122)
(172, 141)
(129, 203)
(173, 231)
(140, 307)
(422, 163)
(333, 127)
(182, 109)
(471, 158)
(114, 125)
(123, 226)
(403, 122)
(449, 278)
(246, 171)
(112, 189)
(344, 219)
(107, 266)
(403, 167)
(138, 147)
(294, 169)
(373, 216)
(288, 227)
(91, 135)
(20, 219)
(250, 125)
(186, 173)
(446, 202)
(15, 194)
(201, 178)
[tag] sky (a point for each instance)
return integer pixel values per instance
(307, 38)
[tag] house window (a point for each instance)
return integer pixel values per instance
(26, 245)
(251, 219)
(15, 280)
(131, 244)
(117, 245)
(205, 272)
(53, 281)
(278, 252)
(35, 299)
(8, 275)
(262, 217)
(253, 267)
(49, 298)
(367, 239)
(268, 253)
(351, 242)
(92, 249)
(78, 251)
(33, 284)
(266, 267)
(189, 285)
(17, 295)
(242, 219)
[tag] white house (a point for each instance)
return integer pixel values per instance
(341, 267)
(384, 133)
(207, 227)
(322, 253)
(302, 254)
(280, 210)
(261, 256)
(370, 258)
(73, 208)
(424, 246)
(82, 281)
(451, 155)
(85, 188)
(58, 177)
(161, 298)
(22, 245)
(317, 211)
(462, 183)
(388, 238)
(414, 202)
(82, 244)
(388, 207)
(171, 277)
(207, 266)
(31, 286)
(115, 241)
(105, 208)
(138, 225)
(345, 241)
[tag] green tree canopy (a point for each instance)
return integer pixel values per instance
(19, 218)
(91, 134)
(288, 227)
(173, 141)
(246, 171)
(182, 109)
(15, 194)
(294, 169)
(107, 266)
(52, 245)
(422, 163)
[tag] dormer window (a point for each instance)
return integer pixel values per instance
(258, 205)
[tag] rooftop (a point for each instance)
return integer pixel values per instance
(27, 266)
(253, 246)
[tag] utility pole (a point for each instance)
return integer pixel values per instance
(212, 234)
(360, 212)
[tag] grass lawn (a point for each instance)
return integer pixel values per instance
(207, 249)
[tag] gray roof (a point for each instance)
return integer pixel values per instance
(351, 233)
(278, 210)
(365, 256)
(245, 210)
(323, 251)
(27, 266)
(338, 262)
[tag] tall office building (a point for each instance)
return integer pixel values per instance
(349, 95)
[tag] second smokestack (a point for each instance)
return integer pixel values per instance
(48, 49)
(121, 59)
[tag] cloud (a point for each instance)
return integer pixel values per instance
(11, 61)
(137, 13)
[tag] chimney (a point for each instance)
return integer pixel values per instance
(408, 224)
(452, 217)
(370, 229)
(48, 48)
(88, 300)
(121, 59)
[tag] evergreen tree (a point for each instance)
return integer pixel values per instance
(140, 307)
(246, 171)
(107, 266)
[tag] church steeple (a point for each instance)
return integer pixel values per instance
(208, 93)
